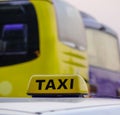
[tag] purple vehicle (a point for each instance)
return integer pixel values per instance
(104, 58)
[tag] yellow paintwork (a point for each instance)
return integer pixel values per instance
(57, 84)
(54, 57)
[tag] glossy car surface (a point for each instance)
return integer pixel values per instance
(60, 106)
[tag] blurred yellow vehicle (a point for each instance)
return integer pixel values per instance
(39, 37)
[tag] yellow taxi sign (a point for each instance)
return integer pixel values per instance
(57, 85)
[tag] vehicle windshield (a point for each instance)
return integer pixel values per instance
(13, 39)
(103, 50)
(18, 32)
(70, 26)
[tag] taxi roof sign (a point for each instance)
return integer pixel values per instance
(57, 86)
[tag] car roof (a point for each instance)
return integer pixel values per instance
(53, 104)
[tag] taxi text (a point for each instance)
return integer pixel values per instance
(50, 84)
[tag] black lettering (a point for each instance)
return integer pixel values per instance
(71, 83)
(50, 85)
(62, 84)
(40, 83)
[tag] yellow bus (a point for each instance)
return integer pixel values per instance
(39, 37)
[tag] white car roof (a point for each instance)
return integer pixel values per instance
(53, 104)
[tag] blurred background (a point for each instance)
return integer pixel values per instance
(105, 11)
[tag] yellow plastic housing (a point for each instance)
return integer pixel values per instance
(57, 85)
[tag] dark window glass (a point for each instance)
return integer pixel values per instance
(14, 37)
(19, 39)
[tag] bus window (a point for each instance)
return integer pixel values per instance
(102, 53)
(14, 39)
(70, 25)
(18, 33)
